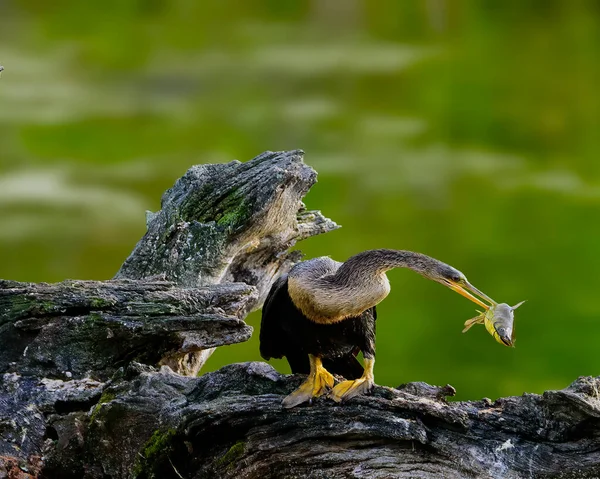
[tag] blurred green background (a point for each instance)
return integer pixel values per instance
(466, 130)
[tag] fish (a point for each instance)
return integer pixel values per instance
(499, 322)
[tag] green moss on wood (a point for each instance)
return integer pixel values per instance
(234, 453)
(236, 217)
(231, 210)
(100, 303)
(45, 307)
(14, 307)
(107, 396)
(21, 306)
(155, 450)
(158, 444)
(235, 212)
(93, 317)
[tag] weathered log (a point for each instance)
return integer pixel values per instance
(230, 424)
(75, 329)
(207, 259)
(87, 388)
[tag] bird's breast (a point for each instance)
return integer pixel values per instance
(327, 302)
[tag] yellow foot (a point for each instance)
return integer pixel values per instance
(319, 381)
(349, 389)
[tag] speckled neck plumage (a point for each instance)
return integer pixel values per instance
(327, 291)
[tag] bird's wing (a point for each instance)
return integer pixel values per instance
(270, 330)
(275, 342)
(278, 337)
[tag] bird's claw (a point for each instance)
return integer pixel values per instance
(315, 385)
(349, 389)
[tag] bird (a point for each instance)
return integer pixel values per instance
(322, 313)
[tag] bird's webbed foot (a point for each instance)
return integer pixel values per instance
(319, 382)
(349, 389)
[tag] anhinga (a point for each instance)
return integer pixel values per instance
(322, 313)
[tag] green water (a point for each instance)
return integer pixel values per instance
(465, 130)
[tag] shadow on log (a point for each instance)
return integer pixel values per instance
(98, 379)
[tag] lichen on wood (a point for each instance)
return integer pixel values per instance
(230, 222)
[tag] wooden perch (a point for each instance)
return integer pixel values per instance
(98, 379)
(79, 328)
(230, 424)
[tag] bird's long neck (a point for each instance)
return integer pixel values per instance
(368, 264)
(358, 284)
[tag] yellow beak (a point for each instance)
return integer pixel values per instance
(467, 290)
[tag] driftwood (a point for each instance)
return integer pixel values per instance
(98, 379)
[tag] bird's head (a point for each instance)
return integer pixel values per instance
(457, 281)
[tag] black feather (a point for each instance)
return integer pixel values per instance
(286, 332)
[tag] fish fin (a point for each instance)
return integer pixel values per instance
(470, 322)
(517, 305)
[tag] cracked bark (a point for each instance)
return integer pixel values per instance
(88, 388)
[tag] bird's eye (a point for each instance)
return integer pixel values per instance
(455, 278)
